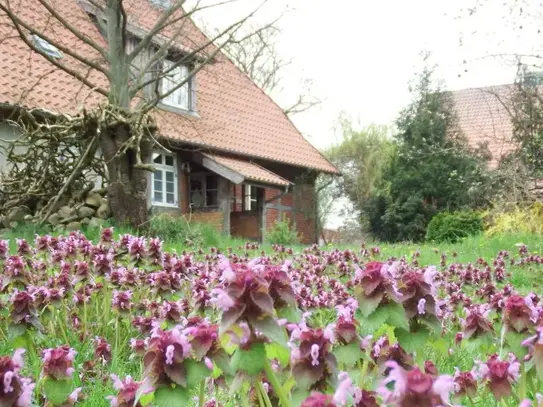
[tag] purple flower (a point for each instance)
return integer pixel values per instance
(318, 400)
(415, 388)
(535, 346)
(519, 314)
(14, 390)
(164, 357)
(122, 301)
(127, 391)
(499, 375)
(58, 362)
(102, 349)
(344, 391)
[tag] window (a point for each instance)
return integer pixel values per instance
(163, 4)
(164, 183)
(45, 47)
(204, 191)
(250, 198)
(180, 97)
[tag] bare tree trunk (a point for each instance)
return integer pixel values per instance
(127, 188)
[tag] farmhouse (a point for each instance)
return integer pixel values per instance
(233, 158)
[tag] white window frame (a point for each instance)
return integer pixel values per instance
(176, 75)
(249, 198)
(164, 169)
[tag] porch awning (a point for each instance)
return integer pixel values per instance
(238, 171)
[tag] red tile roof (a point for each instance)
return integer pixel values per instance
(234, 115)
(483, 117)
(250, 171)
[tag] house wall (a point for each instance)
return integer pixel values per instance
(8, 133)
(296, 205)
(245, 225)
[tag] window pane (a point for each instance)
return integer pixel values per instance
(157, 186)
(157, 196)
(170, 198)
(211, 182)
(157, 158)
(212, 198)
(170, 187)
(169, 176)
(169, 160)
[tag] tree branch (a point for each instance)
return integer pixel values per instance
(73, 30)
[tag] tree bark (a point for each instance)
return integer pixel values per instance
(127, 188)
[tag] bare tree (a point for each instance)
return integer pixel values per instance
(258, 57)
(125, 67)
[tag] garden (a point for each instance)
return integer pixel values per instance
(125, 320)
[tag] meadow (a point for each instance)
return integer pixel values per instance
(108, 318)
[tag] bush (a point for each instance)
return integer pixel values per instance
(178, 229)
(519, 219)
(451, 227)
(282, 232)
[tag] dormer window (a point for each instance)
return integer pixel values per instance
(45, 47)
(181, 97)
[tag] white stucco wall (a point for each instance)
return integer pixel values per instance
(8, 133)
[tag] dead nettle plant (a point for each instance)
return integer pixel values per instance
(122, 69)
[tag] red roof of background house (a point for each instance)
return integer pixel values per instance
(483, 117)
(234, 115)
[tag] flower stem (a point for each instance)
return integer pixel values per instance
(201, 395)
(283, 399)
(263, 394)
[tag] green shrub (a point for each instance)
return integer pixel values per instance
(282, 232)
(451, 227)
(175, 229)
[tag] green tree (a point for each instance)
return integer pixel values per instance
(362, 156)
(432, 169)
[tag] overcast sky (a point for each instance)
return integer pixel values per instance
(362, 54)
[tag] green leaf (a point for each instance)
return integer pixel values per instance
(412, 341)
(250, 361)
(196, 372)
(396, 315)
(375, 321)
(270, 328)
(57, 391)
(222, 361)
(166, 396)
(16, 330)
(367, 305)
(348, 354)
(278, 352)
(291, 314)
(513, 342)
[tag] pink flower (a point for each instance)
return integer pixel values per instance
(415, 388)
(465, 383)
(535, 345)
(318, 400)
(122, 301)
(14, 389)
(163, 360)
(102, 349)
(519, 314)
(499, 375)
(58, 362)
(344, 390)
(127, 391)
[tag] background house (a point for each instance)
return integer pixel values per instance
(234, 159)
(484, 118)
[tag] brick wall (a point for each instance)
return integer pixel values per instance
(215, 218)
(245, 225)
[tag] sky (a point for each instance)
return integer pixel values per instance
(360, 55)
